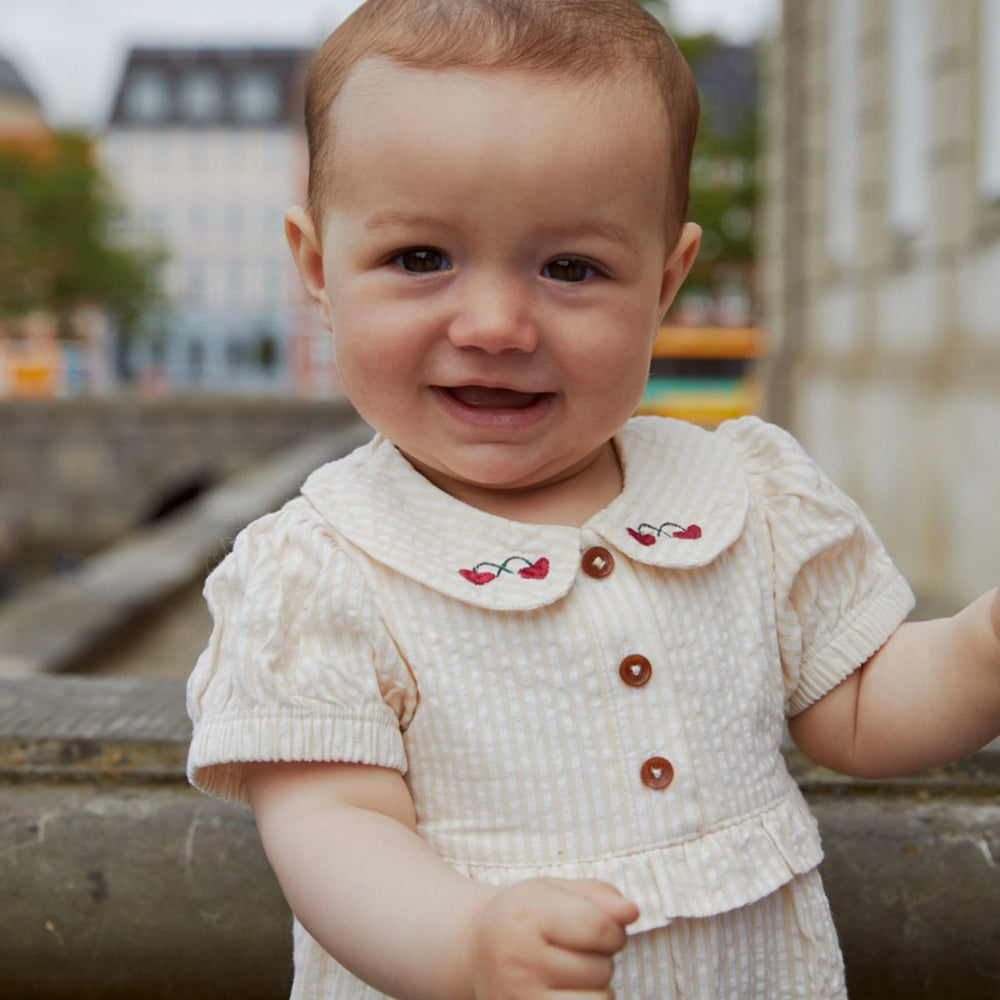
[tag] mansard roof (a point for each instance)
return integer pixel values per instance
(202, 87)
(12, 84)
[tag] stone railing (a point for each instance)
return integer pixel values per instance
(120, 881)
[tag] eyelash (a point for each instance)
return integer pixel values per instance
(415, 260)
(424, 255)
(574, 263)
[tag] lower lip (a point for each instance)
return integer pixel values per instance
(496, 418)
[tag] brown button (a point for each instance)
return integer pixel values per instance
(657, 772)
(598, 562)
(635, 670)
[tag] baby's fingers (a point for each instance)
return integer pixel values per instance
(583, 923)
(605, 896)
(578, 971)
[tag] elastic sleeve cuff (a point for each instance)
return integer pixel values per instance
(864, 629)
(221, 748)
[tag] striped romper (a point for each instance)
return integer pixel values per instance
(600, 702)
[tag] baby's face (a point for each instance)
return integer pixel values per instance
(494, 256)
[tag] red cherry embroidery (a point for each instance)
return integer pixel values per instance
(479, 574)
(538, 570)
(691, 531)
(648, 534)
(641, 537)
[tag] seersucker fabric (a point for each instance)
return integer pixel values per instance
(376, 619)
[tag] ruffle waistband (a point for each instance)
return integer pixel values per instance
(719, 870)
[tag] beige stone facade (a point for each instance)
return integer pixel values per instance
(881, 254)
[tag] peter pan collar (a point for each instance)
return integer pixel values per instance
(684, 502)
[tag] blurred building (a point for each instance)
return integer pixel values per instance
(882, 250)
(207, 149)
(21, 116)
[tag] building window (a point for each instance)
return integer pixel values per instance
(989, 100)
(236, 353)
(235, 282)
(255, 97)
(842, 131)
(148, 96)
(908, 157)
(201, 96)
(196, 360)
(195, 284)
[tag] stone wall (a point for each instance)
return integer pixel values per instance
(81, 473)
(66, 619)
(884, 317)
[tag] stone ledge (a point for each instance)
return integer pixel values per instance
(47, 717)
(66, 729)
(121, 881)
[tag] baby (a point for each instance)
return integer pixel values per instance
(506, 687)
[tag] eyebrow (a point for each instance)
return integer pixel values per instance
(387, 218)
(609, 231)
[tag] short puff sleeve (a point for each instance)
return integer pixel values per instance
(838, 595)
(299, 665)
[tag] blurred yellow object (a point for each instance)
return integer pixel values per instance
(30, 364)
(704, 374)
(710, 342)
(39, 381)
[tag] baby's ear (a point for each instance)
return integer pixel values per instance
(307, 252)
(679, 264)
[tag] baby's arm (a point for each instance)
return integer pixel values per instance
(931, 694)
(342, 840)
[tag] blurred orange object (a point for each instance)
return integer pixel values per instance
(704, 374)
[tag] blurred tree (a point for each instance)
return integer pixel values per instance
(60, 248)
(724, 169)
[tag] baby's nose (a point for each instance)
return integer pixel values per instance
(494, 315)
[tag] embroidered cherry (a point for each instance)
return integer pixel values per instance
(642, 537)
(691, 531)
(538, 570)
(479, 574)
(647, 534)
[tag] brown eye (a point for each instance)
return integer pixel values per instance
(569, 269)
(422, 260)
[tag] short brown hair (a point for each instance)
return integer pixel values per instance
(567, 38)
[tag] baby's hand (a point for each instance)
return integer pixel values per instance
(547, 938)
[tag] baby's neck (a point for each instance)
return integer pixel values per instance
(570, 501)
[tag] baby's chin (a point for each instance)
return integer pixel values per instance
(483, 475)
(508, 485)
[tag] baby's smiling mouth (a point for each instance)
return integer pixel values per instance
(482, 397)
